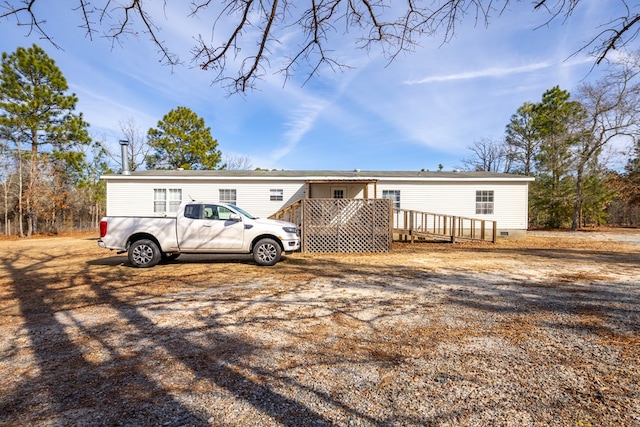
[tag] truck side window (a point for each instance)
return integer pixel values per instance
(193, 211)
(210, 212)
(224, 213)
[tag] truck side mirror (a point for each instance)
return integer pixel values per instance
(235, 217)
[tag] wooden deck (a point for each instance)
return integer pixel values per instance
(359, 225)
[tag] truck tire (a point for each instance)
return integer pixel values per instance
(144, 253)
(266, 252)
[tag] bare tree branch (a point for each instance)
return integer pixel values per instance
(86, 12)
(129, 12)
(241, 53)
(35, 25)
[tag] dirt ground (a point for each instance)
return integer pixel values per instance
(538, 331)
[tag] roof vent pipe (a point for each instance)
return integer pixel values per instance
(124, 144)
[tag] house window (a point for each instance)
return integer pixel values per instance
(394, 195)
(160, 202)
(484, 202)
(175, 198)
(228, 196)
(276, 195)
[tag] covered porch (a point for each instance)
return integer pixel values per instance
(341, 189)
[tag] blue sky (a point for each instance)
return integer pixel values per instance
(422, 110)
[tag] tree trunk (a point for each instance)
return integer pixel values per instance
(20, 196)
(7, 231)
(29, 225)
(577, 203)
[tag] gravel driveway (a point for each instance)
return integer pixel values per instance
(629, 235)
(537, 332)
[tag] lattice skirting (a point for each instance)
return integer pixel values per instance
(346, 225)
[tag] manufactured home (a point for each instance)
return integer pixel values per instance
(501, 199)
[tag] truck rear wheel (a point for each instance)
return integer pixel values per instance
(144, 253)
(266, 252)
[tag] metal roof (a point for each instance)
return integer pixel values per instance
(319, 174)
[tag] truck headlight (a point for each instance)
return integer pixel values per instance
(292, 230)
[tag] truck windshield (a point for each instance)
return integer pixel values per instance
(243, 212)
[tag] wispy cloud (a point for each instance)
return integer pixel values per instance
(299, 124)
(327, 91)
(500, 72)
(475, 74)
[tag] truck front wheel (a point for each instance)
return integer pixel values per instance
(266, 252)
(144, 253)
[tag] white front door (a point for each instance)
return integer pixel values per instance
(338, 192)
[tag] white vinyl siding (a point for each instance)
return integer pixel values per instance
(254, 197)
(453, 198)
(134, 196)
(131, 198)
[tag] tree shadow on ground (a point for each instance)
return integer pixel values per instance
(123, 387)
(67, 387)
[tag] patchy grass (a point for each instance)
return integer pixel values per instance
(537, 331)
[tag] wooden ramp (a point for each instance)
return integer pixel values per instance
(415, 225)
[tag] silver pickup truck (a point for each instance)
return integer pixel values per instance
(198, 228)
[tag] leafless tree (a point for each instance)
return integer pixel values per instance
(613, 112)
(236, 162)
(137, 149)
(489, 155)
(248, 35)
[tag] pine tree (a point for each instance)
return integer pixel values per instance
(36, 111)
(182, 140)
(557, 123)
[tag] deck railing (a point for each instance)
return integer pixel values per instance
(291, 213)
(410, 224)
